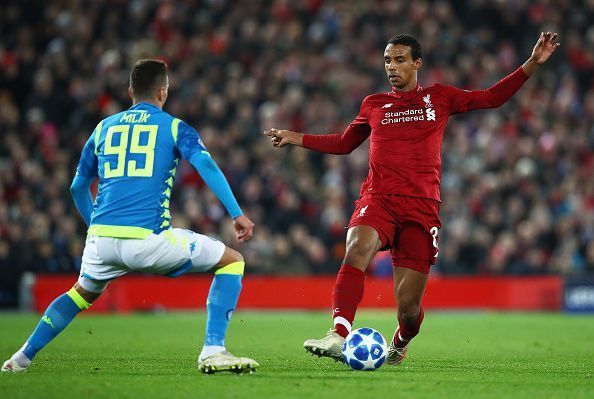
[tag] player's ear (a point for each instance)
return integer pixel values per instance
(130, 92)
(418, 63)
(161, 94)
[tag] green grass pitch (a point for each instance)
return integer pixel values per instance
(457, 355)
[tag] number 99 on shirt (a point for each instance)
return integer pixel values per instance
(132, 146)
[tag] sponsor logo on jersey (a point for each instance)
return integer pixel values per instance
(411, 115)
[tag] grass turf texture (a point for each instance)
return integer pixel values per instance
(469, 355)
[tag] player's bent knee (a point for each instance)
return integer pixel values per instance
(229, 256)
(231, 263)
(90, 288)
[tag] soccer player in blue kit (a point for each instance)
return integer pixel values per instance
(135, 154)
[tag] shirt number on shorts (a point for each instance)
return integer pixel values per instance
(434, 232)
(121, 150)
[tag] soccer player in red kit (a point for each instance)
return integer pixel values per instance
(398, 208)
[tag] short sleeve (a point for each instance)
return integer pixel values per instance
(188, 141)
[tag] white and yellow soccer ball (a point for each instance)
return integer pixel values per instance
(364, 349)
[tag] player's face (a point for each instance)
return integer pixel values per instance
(400, 67)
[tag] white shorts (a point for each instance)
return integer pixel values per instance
(171, 253)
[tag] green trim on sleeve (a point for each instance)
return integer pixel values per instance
(98, 135)
(174, 128)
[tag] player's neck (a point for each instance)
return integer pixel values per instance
(412, 85)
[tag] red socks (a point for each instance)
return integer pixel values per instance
(348, 292)
(406, 332)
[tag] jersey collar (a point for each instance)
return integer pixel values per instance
(144, 106)
(406, 94)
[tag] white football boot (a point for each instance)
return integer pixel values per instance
(329, 346)
(225, 361)
(11, 366)
(395, 355)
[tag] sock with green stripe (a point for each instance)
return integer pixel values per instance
(220, 304)
(56, 317)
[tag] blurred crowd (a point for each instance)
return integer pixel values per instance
(517, 184)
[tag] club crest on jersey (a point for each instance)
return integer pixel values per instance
(427, 100)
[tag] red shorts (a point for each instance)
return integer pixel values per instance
(407, 226)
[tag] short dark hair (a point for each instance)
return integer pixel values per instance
(407, 40)
(147, 76)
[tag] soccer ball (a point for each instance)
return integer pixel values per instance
(364, 349)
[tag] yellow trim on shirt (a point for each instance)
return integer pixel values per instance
(174, 128)
(103, 230)
(97, 136)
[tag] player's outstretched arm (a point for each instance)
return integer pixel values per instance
(344, 143)
(500, 92)
(280, 138)
(544, 47)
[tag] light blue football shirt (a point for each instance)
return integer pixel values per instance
(135, 154)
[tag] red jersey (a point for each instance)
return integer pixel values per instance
(406, 132)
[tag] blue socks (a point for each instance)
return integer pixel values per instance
(56, 317)
(221, 302)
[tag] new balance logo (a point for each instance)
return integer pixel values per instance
(430, 114)
(387, 105)
(363, 210)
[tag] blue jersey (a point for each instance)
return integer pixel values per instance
(135, 154)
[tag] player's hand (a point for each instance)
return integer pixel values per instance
(544, 47)
(280, 138)
(244, 228)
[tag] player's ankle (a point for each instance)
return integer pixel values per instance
(398, 341)
(209, 350)
(21, 359)
(341, 330)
